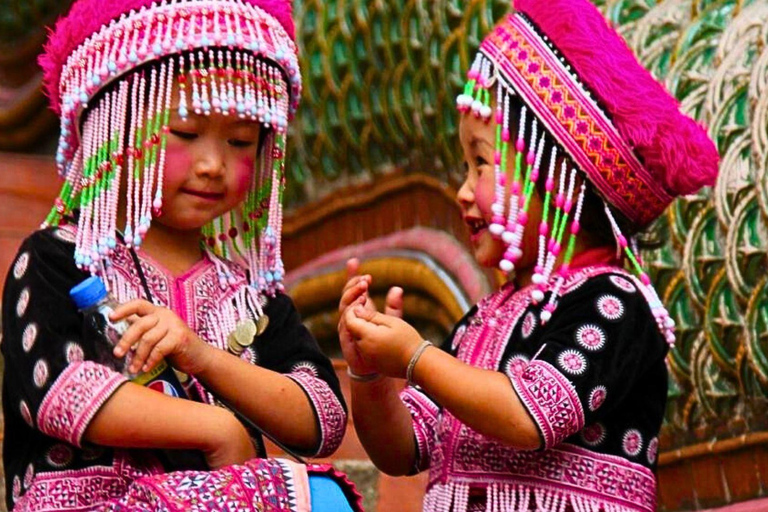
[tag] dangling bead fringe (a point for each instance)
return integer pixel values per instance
(664, 321)
(240, 84)
(500, 497)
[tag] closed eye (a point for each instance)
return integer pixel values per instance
(184, 135)
(241, 143)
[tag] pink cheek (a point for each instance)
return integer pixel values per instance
(178, 163)
(485, 196)
(244, 175)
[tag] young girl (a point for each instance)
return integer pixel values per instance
(174, 119)
(549, 394)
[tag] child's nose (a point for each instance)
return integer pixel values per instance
(210, 160)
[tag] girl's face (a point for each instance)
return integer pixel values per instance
(209, 167)
(477, 194)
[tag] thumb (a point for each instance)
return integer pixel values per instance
(393, 304)
(370, 316)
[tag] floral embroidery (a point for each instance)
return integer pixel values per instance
(590, 337)
(593, 435)
(552, 401)
(21, 305)
(632, 443)
(572, 362)
(653, 450)
(20, 267)
(597, 397)
(59, 456)
(40, 373)
(74, 352)
(516, 365)
(529, 325)
(610, 307)
(623, 284)
(24, 409)
(28, 337)
(65, 234)
(305, 366)
(29, 475)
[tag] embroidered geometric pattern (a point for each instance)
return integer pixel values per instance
(570, 468)
(610, 307)
(21, 305)
(330, 413)
(529, 324)
(424, 414)
(551, 400)
(632, 442)
(20, 268)
(516, 365)
(623, 284)
(572, 361)
(597, 397)
(591, 337)
(28, 337)
(256, 485)
(593, 434)
(73, 399)
(572, 117)
(653, 450)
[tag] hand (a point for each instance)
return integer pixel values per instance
(355, 292)
(387, 342)
(234, 445)
(157, 333)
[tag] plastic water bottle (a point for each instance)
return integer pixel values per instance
(96, 304)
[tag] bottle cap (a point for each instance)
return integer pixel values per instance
(89, 292)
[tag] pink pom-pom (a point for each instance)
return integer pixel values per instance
(497, 157)
(550, 185)
(530, 158)
(515, 189)
(622, 242)
(559, 200)
(505, 136)
(503, 180)
(520, 145)
(645, 279)
(575, 227)
(522, 219)
(543, 229)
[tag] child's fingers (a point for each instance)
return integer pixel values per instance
(134, 334)
(148, 343)
(352, 294)
(353, 265)
(137, 307)
(394, 302)
(155, 356)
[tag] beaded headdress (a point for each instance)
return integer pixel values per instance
(109, 70)
(579, 90)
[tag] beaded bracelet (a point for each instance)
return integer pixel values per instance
(368, 377)
(414, 359)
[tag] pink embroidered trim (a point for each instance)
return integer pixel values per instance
(566, 472)
(424, 415)
(551, 400)
(573, 118)
(74, 398)
(328, 410)
(85, 489)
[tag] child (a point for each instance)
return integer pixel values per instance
(174, 120)
(549, 394)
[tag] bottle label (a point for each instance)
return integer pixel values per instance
(161, 378)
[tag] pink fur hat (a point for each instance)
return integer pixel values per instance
(615, 120)
(87, 17)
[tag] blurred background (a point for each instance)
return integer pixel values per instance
(372, 173)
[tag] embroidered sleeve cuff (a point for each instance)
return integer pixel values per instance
(551, 401)
(424, 413)
(329, 413)
(74, 398)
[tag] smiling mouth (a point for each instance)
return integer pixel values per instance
(211, 196)
(476, 225)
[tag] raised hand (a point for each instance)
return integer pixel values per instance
(157, 333)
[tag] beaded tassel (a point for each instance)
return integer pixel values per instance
(549, 308)
(665, 322)
(538, 272)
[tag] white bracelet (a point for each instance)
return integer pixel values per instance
(414, 359)
(368, 377)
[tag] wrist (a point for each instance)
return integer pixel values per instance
(370, 376)
(415, 357)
